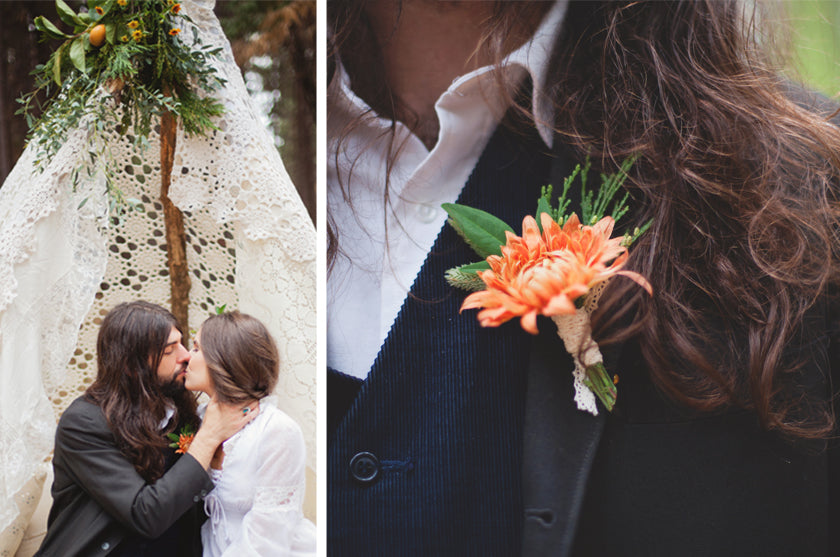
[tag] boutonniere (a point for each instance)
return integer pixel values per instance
(558, 267)
(181, 441)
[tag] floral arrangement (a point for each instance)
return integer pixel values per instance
(131, 52)
(181, 441)
(556, 268)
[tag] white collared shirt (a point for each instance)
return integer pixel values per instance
(170, 411)
(379, 259)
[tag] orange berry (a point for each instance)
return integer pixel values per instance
(97, 35)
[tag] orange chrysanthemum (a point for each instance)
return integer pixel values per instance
(184, 442)
(545, 273)
(176, 8)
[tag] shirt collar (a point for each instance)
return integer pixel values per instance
(533, 56)
(170, 411)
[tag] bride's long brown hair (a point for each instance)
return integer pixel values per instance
(738, 172)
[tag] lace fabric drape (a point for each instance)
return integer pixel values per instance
(250, 245)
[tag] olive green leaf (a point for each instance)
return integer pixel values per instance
(483, 232)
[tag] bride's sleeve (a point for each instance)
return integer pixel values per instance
(275, 520)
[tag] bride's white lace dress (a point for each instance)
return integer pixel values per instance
(255, 508)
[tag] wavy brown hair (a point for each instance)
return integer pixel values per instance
(738, 171)
(241, 356)
(129, 349)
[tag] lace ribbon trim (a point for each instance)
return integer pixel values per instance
(576, 333)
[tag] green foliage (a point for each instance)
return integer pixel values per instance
(466, 277)
(485, 234)
(142, 69)
(815, 43)
(594, 205)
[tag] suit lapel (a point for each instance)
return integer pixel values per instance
(559, 441)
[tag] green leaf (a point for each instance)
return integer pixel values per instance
(47, 27)
(57, 65)
(66, 14)
(484, 233)
(111, 33)
(77, 53)
(221, 309)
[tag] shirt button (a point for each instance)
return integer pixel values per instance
(364, 467)
(105, 546)
(426, 213)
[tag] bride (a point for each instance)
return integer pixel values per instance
(255, 508)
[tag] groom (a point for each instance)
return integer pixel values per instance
(119, 488)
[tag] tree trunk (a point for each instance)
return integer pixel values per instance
(176, 241)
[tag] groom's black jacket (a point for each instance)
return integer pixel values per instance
(99, 499)
(465, 441)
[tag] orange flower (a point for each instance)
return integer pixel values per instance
(174, 31)
(544, 274)
(137, 35)
(134, 24)
(176, 8)
(99, 10)
(184, 442)
(122, 2)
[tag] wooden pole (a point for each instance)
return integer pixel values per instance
(176, 241)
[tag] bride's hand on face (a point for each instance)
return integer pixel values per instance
(221, 421)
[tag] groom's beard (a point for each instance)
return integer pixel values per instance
(175, 385)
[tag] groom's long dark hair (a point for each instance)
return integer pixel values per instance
(129, 349)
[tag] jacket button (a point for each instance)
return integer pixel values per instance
(364, 467)
(105, 546)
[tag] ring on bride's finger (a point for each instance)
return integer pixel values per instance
(245, 410)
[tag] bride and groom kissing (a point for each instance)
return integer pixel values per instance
(232, 484)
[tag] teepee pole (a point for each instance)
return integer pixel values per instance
(176, 244)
